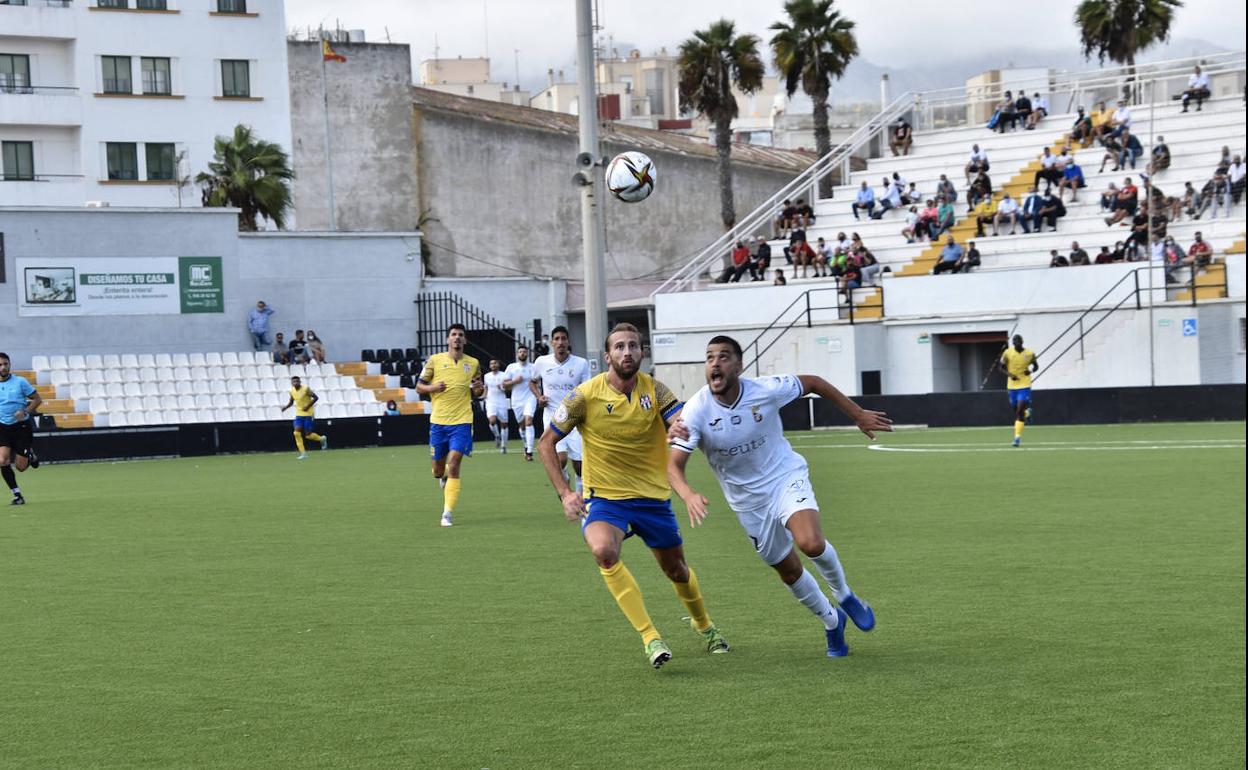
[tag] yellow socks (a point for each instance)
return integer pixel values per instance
(299, 441)
(691, 594)
(314, 437)
(1018, 428)
(450, 494)
(623, 586)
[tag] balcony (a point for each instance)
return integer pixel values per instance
(44, 190)
(40, 105)
(50, 19)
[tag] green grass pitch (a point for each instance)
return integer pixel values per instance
(1078, 602)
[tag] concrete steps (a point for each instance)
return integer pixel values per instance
(1210, 284)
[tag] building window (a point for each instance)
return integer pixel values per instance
(161, 161)
(156, 78)
(14, 72)
(12, 2)
(235, 77)
(123, 160)
(231, 6)
(151, 5)
(113, 3)
(116, 74)
(19, 160)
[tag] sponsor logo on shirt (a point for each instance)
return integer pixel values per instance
(610, 407)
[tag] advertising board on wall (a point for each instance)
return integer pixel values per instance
(120, 286)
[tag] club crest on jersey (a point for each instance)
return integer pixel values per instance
(757, 417)
(467, 368)
(645, 402)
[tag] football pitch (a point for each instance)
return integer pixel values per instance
(1076, 602)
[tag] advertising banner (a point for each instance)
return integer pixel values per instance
(120, 286)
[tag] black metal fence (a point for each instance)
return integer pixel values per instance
(488, 337)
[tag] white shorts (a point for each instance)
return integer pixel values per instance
(766, 527)
(524, 408)
(495, 408)
(570, 445)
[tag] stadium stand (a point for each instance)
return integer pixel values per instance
(119, 390)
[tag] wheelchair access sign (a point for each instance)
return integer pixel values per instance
(1189, 327)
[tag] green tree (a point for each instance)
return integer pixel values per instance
(1119, 29)
(711, 63)
(812, 49)
(249, 174)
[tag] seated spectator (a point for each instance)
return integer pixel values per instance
(1127, 203)
(1173, 258)
(781, 222)
(946, 217)
(1048, 169)
(392, 409)
(1072, 179)
(890, 198)
(299, 348)
(1119, 252)
(800, 254)
(1131, 149)
(1200, 253)
(867, 265)
(1030, 214)
(823, 258)
(1004, 114)
(803, 215)
(1007, 211)
(1039, 110)
(1105, 257)
(1235, 172)
(1109, 198)
(900, 137)
(985, 214)
(929, 218)
(1190, 196)
(842, 244)
(740, 264)
(281, 352)
(1022, 109)
(1057, 260)
(1158, 220)
(912, 224)
(978, 162)
(945, 187)
(912, 194)
(851, 279)
(1113, 152)
(1120, 120)
(1138, 238)
(968, 259)
(980, 190)
(1078, 256)
(1081, 130)
(1160, 157)
(1217, 192)
(1101, 117)
(762, 256)
(316, 348)
(899, 182)
(1051, 208)
(1171, 205)
(779, 279)
(1197, 88)
(950, 257)
(864, 201)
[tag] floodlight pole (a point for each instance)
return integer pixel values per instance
(593, 216)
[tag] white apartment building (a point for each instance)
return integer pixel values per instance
(116, 100)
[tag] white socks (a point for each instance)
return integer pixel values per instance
(528, 438)
(807, 591)
(494, 430)
(830, 567)
(506, 433)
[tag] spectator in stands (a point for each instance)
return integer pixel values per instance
(1109, 198)
(1190, 196)
(299, 348)
(258, 324)
(1022, 109)
(1158, 219)
(866, 264)
(1120, 120)
(1172, 256)
(1197, 88)
(1160, 157)
(1137, 240)
(1077, 255)
(864, 201)
(1051, 208)
(1072, 179)
(281, 353)
(851, 279)
(803, 215)
(740, 264)
(912, 224)
(1007, 211)
(969, 259)
(978, 162)
(912, 194)
(1131, 149)
(822, 258)
(1030, 215)
(316, 348)
(1235, 172)
(890, 198)
(901, 137)
(842, 244)
(950, 257)
(1126, 205)
(929, 220)
(1057, 260)
(980, 190)
(779, 279)
(799, 254)
(945, 217)
(1120, 251)
(762, 256)
(392, 409)
(1039, 110)
(1100, 117)
(1217, 192)
(946, 188)
(781, 222)
(1105, 257)
(1113, 152)
(1081, 130)
(1171, 205)
(1200, 253)
(1004, 114)
(985, 214)
(1048, 169)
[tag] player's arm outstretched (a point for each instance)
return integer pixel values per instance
(695, 503)
(867, 421)
(569, 415)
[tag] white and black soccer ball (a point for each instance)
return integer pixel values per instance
(630, 176)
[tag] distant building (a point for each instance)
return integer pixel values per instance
(469, 77)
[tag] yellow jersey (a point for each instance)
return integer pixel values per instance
(986, 208)
(624, 437)
(302, 396)
(1019, 365)
(452, 406)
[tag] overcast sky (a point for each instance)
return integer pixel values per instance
(908, 34)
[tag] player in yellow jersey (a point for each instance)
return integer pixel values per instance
(1019, 363)
(452, 379)
(623, 416)
(304, 401)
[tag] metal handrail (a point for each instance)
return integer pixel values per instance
(10, 88)
(803, 297)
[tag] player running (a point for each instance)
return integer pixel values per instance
(18, 401)
(736, 421)
(1019, 364)
(452, 379)
(622, 416)
(304, 401)
(496, 404)
(523, 400)
(555, 376)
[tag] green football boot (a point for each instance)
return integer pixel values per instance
(658, 652)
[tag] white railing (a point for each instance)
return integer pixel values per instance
(961, 106)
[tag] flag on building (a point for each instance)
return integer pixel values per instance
(329, 54)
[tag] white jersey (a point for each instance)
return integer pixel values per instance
(494, 392)
(744, 443)
(559, 379)
(520, 393)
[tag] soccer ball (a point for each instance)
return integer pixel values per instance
(630, 176)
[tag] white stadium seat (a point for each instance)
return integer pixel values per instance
(233, 372)
(106, 375)
(169, 417)
(78, 392)
(164, 373)
(150, 389)
(220, 401)
(57, 362)
(39, 363)
(199, 373)
(203, 401)
(196, 359)
(111, 361)
(168, 389)
(60, 377)
(249, 372)
(147, 374)
(180, 359)
(263, 357)
(94, 361)
(216, 372)
(186, 388)
(253, 399)
(221, 415)
(214, 386)
(186, 402)
(131, 389)
(181, 373)
(151, 403)
(129, 361)
(117, 420)
(115, 405)
(229, 358)
(256, 414)
(251, 385)
(234, 386)
(77, 362)
(237, 400)
(355, 410)
(164, 359)
(97, 390)
(168, 402)
(114, 390)
(76, 375)
(147, 360)
(128, 375)
(133, 404)
(212, 359)
(239, 415)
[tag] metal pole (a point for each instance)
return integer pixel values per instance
(593, 216)
(329, 150)
(1152, 326)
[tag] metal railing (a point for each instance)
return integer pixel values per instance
(38, 177)
(437, 310)
(11, 88)
(779, 327)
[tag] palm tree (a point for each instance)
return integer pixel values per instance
(250, 174)
(711, 63)
(1118, 29)
(811, 50)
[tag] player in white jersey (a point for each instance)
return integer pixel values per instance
(555, 376)
(737, 423)
(523, 402)
(496, 403)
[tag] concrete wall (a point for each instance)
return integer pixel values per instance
(503, 193)
(370, 133)
(355, 290)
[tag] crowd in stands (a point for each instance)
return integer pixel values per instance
(305, 347)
